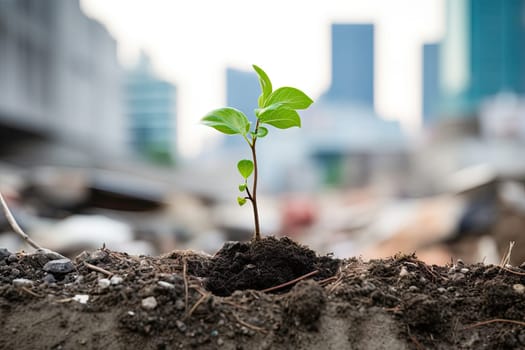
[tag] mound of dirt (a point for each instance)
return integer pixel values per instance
(111, 300)
(263, 264)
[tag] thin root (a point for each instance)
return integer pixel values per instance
(286, 284)
(98, 269)
(496, 320)
(248, 325)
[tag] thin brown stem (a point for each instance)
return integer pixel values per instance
(286, 284)
(257, 233)
(14, 225)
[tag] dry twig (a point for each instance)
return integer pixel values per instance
(98, 269)
(29, 291)
(14, 225)
(514, 272)
(286, 284)
(496, 320)
(248, 325)
(185, 276)
(194, 307)
(506, 258)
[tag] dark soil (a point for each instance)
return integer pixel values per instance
(185, 300)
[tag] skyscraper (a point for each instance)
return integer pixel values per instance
(352, 64)
(430, 82)
(242, 92)
(483, 51)
(152, 113)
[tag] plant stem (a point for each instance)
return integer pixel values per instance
(257, 233)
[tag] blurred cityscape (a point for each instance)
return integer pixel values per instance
(89, 151)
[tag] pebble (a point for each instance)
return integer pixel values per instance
(22, 282)
(214, 333)
(4, 253)
(180, 325)
(104, 283)
(220, 342)
(116, 280)
(464, 270)
(441, 290)
(166, 285)
(49, 278)
(12, 258)
(81, 298)
(519, 288)
(179, 305)
(404, 272)
(59, 266)
(413, 289)
(149, 303)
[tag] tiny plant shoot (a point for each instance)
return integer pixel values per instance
(276, 108)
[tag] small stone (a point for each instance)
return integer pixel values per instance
(116, 280)
(131, 313)
(214, 333)
(4, 253)
(460, 262)
(104, 283)
(413, 289)
(404, 272)
(451, 289)
(12, 258)
(22, 282)
(464, 270)
(49, 278)
(59, 266)
(220, 342)
(441, 290)
(519, 288)
(166, 285)
(179, 305)
(180, 326)
(81, 298)
(149, 303)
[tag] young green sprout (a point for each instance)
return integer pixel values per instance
(276, 108)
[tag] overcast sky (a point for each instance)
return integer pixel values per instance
(192, 42)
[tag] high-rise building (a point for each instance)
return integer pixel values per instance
(59, 77)
(352, 64)
(242, 92)
(430, 83)
(483, 52)
(151, 109)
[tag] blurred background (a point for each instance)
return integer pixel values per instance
(415, 142)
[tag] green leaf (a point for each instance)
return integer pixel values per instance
(241, 201)
(242, 187)
(290, 97)
(227, 120)
(281, 118)
(266, 85)
(245, 167)
(262, 131)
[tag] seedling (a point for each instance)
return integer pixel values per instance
(276, 108)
